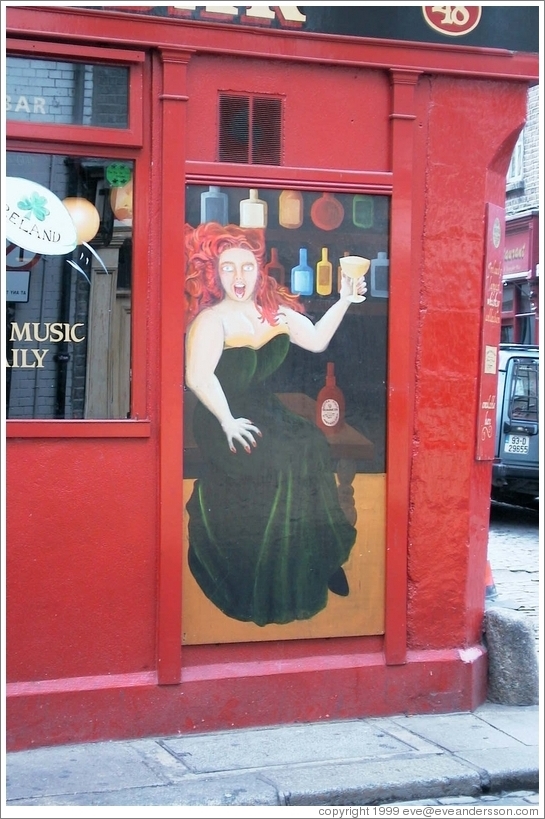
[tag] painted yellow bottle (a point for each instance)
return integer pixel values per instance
(324, 275)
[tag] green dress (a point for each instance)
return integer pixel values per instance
(266, 530)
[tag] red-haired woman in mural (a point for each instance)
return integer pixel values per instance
(267, 536)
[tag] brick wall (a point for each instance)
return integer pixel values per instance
(66, 93)
(526, 197)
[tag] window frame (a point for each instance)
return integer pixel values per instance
(524, 370)
(131, 136)
(99, 142)
(515, 173)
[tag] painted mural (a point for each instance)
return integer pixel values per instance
(276, 287)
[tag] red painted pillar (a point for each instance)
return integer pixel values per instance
(171, 161)
(400, 362)
(469, 124)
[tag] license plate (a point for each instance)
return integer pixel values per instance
(517, 444)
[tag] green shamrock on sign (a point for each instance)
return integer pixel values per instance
(118, 174)
(34, 205)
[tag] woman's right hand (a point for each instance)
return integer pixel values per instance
(241, 430)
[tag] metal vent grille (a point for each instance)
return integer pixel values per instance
(250, 129)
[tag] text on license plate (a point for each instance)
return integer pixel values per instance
(517, 444)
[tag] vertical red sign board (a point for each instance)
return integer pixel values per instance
(490, 332)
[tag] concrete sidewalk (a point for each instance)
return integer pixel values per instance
(352, 762)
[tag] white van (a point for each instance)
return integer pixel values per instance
(515, 472)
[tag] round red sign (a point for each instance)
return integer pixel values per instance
(453, 21)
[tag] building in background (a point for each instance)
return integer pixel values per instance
(520, 307)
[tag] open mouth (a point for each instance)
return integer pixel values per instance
(240, 290)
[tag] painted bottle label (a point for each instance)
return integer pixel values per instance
(331, 412)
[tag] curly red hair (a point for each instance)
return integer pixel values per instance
(204, 244)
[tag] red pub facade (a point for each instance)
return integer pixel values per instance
(395, 149)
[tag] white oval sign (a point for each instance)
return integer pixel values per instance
(36, 219)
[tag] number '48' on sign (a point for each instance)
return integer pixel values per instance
(452, 21)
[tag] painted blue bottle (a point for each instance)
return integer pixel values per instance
(214, 205)
(302, 276)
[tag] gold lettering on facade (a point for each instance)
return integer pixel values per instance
(493, 292)
(515, 253)
(53, 332)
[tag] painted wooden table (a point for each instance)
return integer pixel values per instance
(347, 446)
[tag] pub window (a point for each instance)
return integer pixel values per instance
(508, 300)
(68, 286)
(515, 172)
(66, 93)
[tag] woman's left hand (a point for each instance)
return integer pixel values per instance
(241, 430)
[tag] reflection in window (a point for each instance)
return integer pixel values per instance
(66, 93)
(508, 298)
(515, 172)
(68, 316)
(524, 399)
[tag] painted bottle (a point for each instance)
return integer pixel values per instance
(290, 209)
(340, 273)
(324, 275)
(275, 269)
(302, 276)
(380, 268)
(363, 211)
(253, 211)
(330, 404)
(214, 205)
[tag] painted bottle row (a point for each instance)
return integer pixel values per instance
(326, 212)
(306, 279)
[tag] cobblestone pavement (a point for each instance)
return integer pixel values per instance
(514, 553)
(524, 799)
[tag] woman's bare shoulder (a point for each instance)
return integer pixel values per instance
(207, 320)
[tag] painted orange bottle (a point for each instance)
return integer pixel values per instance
(290, 209)
(275, 269)
(330, 404)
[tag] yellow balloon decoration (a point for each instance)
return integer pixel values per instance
(85, 217)
(121, 202)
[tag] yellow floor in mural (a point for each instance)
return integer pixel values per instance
(360, 613)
